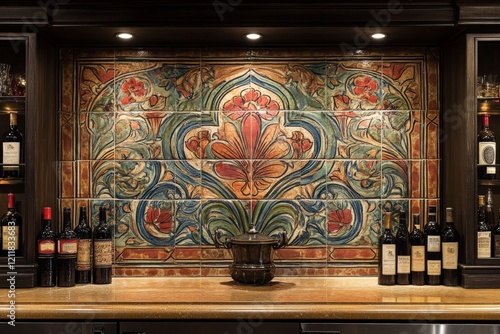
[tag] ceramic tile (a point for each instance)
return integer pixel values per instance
(231, 218)
(350, 88)
(96, 136)
(402, 84)
(416, 134)
(223, 85)
(181, 136)
(395, 134)
(67, 136)
(276, 179)
(303, 254)
(137, 136)
(395, 179)
(226, 179)
(83, 179)
(313, 179)
(305, 82)
(353, 222)
(358, 134)
(67, 179)
(142, 179)
(163, 255)
(96, 86)
(352, 254)
(416, 174)
(432, 79)
(433, 179)
(66, 83)
(347, 179)
(432, 134)
(103, 182)
(312, 134)
(189, 227)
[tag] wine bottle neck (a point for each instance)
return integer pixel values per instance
(47, 224)
(486, 121)
(11, 202)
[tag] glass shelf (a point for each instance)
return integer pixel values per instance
(488, 105)
(489, 183)
(10, 104)
(11, 181)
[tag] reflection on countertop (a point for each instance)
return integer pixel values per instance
(292, 298)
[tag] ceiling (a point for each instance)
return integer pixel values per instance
(224, 22)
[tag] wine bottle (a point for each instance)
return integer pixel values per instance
(12, 149)
(403, 251)
(387, 254)
(450, 243)
(483, 231)
(103, 250)
(83, 258)
(496, 238)
(12, 230)
(490, 217)
(433, 248)
(487, 150)
(417, 241)
(67, 245)
(46, 251)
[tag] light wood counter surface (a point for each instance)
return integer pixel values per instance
(285, 298)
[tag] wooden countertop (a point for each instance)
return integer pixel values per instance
(285, 298)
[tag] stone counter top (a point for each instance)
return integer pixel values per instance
(285, 298)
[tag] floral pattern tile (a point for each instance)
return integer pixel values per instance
(179, 144)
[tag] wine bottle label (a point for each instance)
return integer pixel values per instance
(450, 255)
(388, 259)
(433, 267)
(487, 153)
(417, 258)
(404, 264)
(83, 254)
(491, 170)
(67, 246)
(483, 244)
(433, 243)
(497, 245)
(46, 247)
(11, 154)
(103, 253)
(10, 238)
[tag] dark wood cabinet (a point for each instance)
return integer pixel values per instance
(36, 112)
(467, 60)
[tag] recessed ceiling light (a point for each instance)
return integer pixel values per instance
(253, 36)
(124, 35)
(378, 35)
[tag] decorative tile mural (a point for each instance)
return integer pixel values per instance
(317, 144)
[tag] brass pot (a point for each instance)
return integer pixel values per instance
(252, 255)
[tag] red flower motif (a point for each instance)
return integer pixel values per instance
(132, 90)
(338, 219)
(251, 100)
(365, 88)
(159, 219)
(299, 144)
(198, 143)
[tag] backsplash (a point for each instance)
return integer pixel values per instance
(317, 143)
